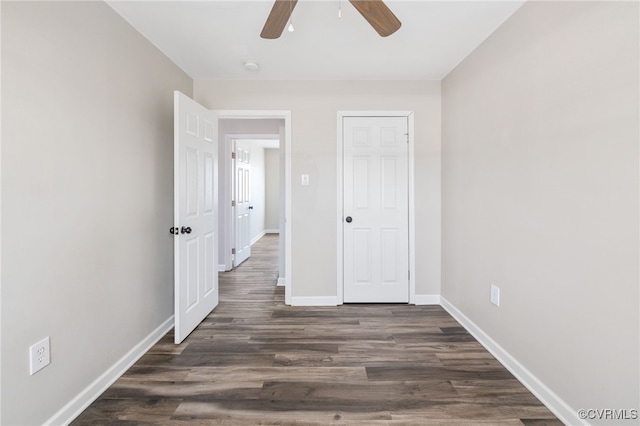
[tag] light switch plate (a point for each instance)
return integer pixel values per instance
(495, 295)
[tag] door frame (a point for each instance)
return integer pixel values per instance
(228, 238)
(285, 276)
(340, 201)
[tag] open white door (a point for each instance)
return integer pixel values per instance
(376, 224)
(242, 159)
(195, 214)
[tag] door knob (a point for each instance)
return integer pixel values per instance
(348, 219)
(174, 230)
(250, 207)
(185, 230)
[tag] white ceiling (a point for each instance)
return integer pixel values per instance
(213, 39)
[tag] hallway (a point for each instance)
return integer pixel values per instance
(255, 360)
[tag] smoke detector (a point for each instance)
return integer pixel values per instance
(252, 66)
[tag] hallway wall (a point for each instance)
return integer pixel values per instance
(314, 106)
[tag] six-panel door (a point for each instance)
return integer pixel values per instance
(243, 208)
(376, 223)
(196, 214)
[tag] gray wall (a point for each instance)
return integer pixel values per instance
(87, 196)
(314, 106)
(540, 195)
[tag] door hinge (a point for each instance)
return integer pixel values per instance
(233, 251)
(407, 135)
(233, 155)
(233, 203)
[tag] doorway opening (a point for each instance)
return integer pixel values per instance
(256, 192)
(260, 131)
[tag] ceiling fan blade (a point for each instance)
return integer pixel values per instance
(378, 15)
(278, 18)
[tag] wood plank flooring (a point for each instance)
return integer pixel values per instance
(255, 360)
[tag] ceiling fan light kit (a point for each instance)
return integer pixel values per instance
(377, 14)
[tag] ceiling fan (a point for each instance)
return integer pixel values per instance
(379, 16)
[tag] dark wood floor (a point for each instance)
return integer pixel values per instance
(255, 360)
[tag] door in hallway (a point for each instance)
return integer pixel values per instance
(242, 193)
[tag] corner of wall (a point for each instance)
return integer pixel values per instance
(550, 399)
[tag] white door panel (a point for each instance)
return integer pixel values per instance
(195, 214)
(376, 240)
(243, 207)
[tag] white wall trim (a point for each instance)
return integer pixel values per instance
(339, 195)
(426, 299)
(314, 301)
(260, 235)
(271, 231)
(412, 209)
(282, 281)
(222, 267)
(552, 401)
(340, 209)
(78, 404)
(0, 222)
(287, 210)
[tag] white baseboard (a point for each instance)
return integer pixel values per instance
(282, 281)
(426, 299)
(78, 404)
(260, 235)
(272, 231)
(553, 402)
(561, 409)
(314, 301)
(222, 268)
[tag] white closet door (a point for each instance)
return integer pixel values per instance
(376, 223)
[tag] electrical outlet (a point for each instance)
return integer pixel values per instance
(39, 356)
(495, 295)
